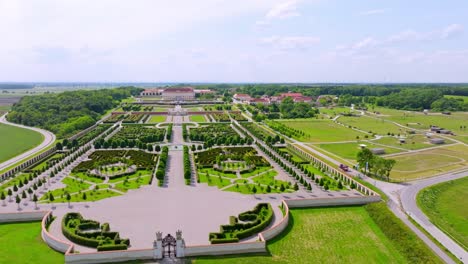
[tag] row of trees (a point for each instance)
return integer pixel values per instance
(375, 165)
(68, 112)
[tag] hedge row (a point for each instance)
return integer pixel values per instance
(74, 227)
(161, 170)
(254, 221)
(187, 167)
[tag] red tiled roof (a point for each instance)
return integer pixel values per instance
(179, 90)
(291, 94)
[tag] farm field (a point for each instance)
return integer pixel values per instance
(156, 119)
(442, 203)
(198, 118)
(372, 125)
(325, 235)
(16, 236)
(15, 140)
(322, 130)
(429, 163)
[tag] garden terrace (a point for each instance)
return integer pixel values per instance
(238, 116)
(114, 118)
(135, 133)
(133, 118)
(92, 134)
(245, 225)
(221, 117)
(216, 134)
(257, 130)
(99, 158)
(217, 155)
(91, 233)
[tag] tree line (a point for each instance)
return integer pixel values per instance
(68, 112)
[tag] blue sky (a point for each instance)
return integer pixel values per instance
(234, 41)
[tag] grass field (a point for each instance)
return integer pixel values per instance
(372, 125)
(22, 243)
(198, 118)
(322, 130)
(350, 150)
(332, 112)
(156, 119)
(15, 140)
(443, 204)
(428, 163)
(413, 142)
(325, 235)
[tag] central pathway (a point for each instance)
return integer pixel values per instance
(175, 165)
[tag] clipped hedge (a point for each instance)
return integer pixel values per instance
(74, 228)
(253, 222)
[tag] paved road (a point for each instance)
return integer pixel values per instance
(49, 139)
(408, 201)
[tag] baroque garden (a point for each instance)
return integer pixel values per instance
(179, 174)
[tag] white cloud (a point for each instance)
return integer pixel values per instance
(451, 30)
(290, 42)
(372, 12)
(365, 43)
(281, 10)
(412, 35)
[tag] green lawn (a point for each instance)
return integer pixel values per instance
(413, 142)
(15, 140)
(334, 111)
(325, 235)
(322, 130)
(156, 119)
(22, 243)
(198, 118)
(350, 150)
(443, 204)
(428, 163)
(372, 125)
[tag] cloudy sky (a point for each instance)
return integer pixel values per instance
(234, 41)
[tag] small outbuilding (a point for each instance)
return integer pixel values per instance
(437, 141)
(378, 151)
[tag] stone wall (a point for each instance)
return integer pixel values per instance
(341, 201)
(110, 256)
(226, 249)
(22, 216)
(52, 241)
(279, 227)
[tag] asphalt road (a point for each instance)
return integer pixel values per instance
(49, 139)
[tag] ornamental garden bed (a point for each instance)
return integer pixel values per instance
(245, 225)
(141, 133)
(133, 118)
(238, 117)
(114, 118)
(217, 134)
(248, 155)
(91, 233)
(221, 117)
(142, 160)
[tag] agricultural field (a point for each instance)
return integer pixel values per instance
(321, 130)
(156, 119)
(16, 140)
(429, 163)
(443, 204)
(14, 237)
(198, 118)
(325, 235)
